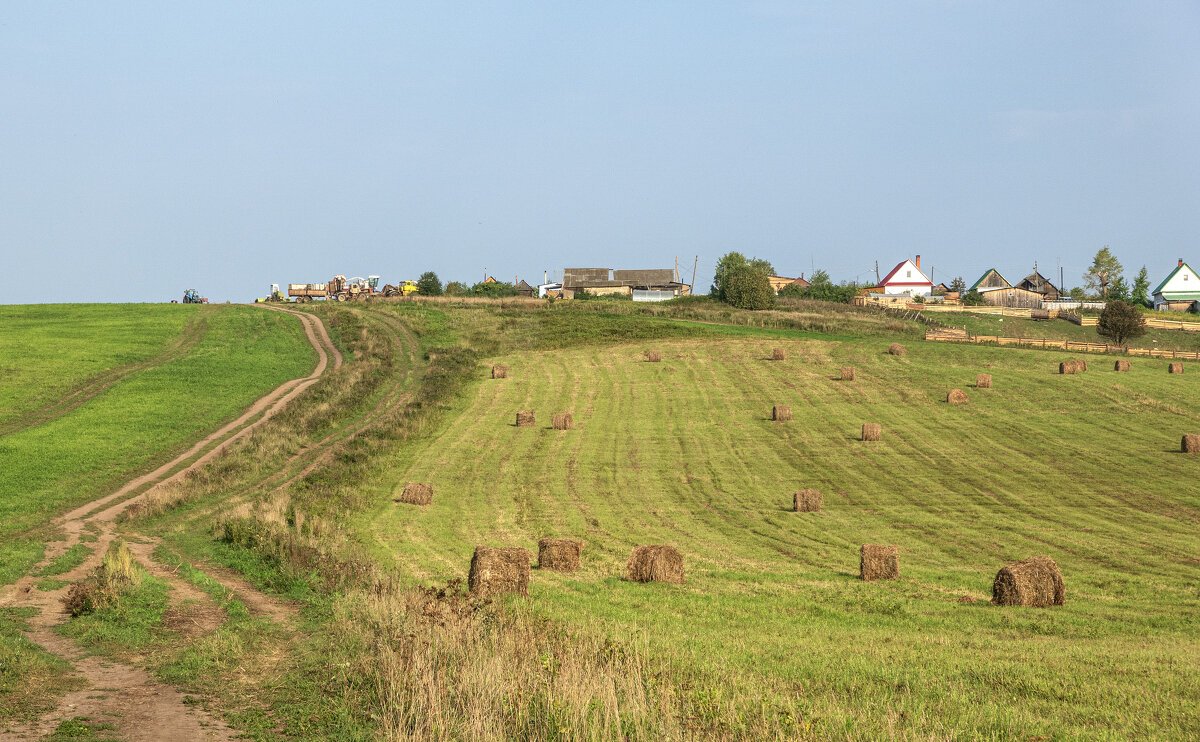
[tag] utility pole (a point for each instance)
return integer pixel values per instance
(692, 289)
(676, 269)
(876, 272)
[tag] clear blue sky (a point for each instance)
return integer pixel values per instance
(150, 147)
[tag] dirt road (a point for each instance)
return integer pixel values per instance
(138, 705)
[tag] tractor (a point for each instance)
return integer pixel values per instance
(276, 296)
(191, 296)
(404, 289)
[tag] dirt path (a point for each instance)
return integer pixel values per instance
(139, 706)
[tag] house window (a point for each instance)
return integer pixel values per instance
(908, 274)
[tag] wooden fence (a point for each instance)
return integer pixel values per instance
(963, 337)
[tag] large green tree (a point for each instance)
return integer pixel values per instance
(1141, 288)
(429, 284)
(747, 288)
(732, 262)
(1105, 269)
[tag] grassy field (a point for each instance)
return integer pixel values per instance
(773, 636)
(50, 350)
(1084, 469)
(140, 419)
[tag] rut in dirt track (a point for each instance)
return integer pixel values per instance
(139, 706)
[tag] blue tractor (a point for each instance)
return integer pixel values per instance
(191, 296)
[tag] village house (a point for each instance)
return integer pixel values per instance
(778, 283)
(906, 278)
(605, 282)
(1179, 291)
(998, 292)
(1038, 284)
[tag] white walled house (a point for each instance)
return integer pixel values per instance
(907, 278)
(1179, 291)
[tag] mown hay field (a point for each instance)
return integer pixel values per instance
(1085, 469)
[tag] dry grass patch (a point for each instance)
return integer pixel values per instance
(1035, 582)
(116, 574)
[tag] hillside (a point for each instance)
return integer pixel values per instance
(772, 635)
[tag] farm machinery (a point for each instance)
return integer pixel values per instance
(276, 296)
(340, 288)
(192, 296)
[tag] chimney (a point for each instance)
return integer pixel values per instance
(918, 262)
(1181, 262)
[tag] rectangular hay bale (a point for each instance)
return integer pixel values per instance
(559, 554)
(778, 354)
(416, 493)
(499, 570)
(781, 413)
(879, 562)
(499, 372)
(526, 419)
(847, 373)
(872, 432)
(655, 564)
(808, 501)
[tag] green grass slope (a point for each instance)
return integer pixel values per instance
(1083, 468)
(142, 419)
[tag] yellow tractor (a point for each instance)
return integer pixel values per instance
(406, 288)
(276, 297)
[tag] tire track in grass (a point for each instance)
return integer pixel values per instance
(192, 334)
(142, 708)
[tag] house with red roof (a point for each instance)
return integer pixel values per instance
(907, 278)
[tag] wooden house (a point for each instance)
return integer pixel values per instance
(524, 289)
(1038, 284)
(1179, 291)
(1011, 296)
(991, 279)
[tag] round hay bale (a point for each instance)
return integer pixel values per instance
(655, 564)
(1067, 367)
(563, 421)
(526, 419)
(499, 372)
(559, 554)
(1190, 443)
(896, 349)
(983, 381)
(847, 373)
(957, 396)
(781, 413)
(1034, 582)
(879, 562)
(1175, 368)
(654, 356)
(1121, 366)
(778, 354)
(808, 501)
(872, 432)
(499, 570)
(1081, 364)
(416, 493)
